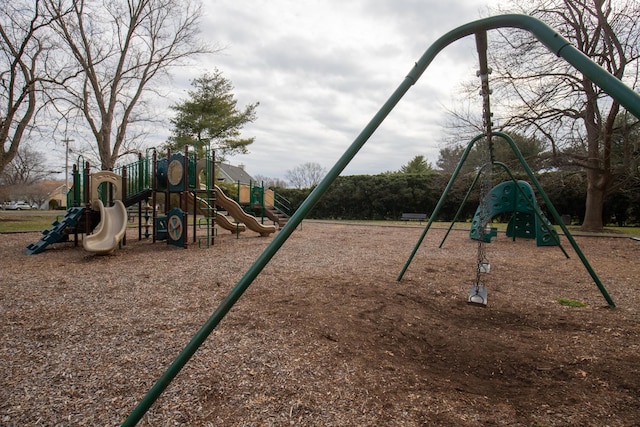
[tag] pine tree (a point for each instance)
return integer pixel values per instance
(211, 118)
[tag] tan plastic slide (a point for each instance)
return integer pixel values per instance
(222, 220)
(110, 231)
(236, 211)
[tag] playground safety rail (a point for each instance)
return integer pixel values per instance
(552, 40)
(75, 195)
(138, 175)
(282, 204)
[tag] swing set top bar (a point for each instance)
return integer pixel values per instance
(553, 41)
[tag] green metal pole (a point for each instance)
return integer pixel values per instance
(627, 97)
(266, 256)
(464, 202)
(557, 218)
(439, 204)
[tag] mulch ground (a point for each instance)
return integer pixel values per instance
(325, 335)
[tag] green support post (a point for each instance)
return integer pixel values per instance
(557, 218)
(436, 210)
(464, 202)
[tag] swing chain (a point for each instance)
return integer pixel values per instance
(482, 265)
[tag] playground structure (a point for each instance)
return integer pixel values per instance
(527, 220)
(553, 41)
(181, 183)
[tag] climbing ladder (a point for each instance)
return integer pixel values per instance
(205, 168)
(57, 232)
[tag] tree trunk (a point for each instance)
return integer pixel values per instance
(596, 187)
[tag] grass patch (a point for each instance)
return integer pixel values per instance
(37, 221)
(570, 302)
(13, 222)
(632, 231)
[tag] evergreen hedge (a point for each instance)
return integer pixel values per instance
(387, 196)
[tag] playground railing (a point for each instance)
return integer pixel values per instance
(76, 194)
(138, 176)
(282, 204)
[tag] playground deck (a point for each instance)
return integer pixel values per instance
(325, 335)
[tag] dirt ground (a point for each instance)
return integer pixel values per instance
(325, 336)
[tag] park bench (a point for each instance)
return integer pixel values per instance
(413, 217)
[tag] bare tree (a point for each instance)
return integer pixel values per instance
(118, 49)
(271, 182)
(23, 45)
(547, 97)
(27, 167)
(25, 177)
(306, 175)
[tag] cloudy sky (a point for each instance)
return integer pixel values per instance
(321, 69)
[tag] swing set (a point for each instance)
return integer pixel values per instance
(481, 229)
(555, 43)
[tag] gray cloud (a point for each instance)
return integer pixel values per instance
(322, 69)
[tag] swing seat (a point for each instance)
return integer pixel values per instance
(478, 296)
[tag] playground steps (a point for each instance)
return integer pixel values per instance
(276, 216)
(56, 234)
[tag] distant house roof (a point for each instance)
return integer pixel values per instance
(229, 173)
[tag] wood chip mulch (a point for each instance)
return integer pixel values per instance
(325, 336)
